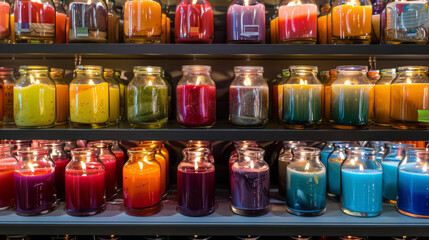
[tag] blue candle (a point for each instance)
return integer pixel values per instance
(361, 191)
(334, 177)
(327, 149)
(390, 177)
(413, 194)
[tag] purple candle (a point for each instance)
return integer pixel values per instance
(196, 191)
(246, 23)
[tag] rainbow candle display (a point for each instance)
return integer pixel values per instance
(196, 105)
(413, 194)
(246, 23)
(298, 23)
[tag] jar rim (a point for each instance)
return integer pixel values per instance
(342, 145)
(306, 150)
(141, 150)
(26, 68)
(202, 150)
(251, 150)
(413, 68)
(248, 69)
(398, 145)
(352, 68)
(309, 68)
(4, 147)
(388, 71)
(57, 70)
(84, 151)
(150, 69)
(4, 70)
(31, 150)
(361, 150)
(407, 149)
(197, 68)
(99, 145)
(89, 68)
(109, 70)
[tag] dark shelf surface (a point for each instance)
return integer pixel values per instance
(222, 131)
(222, 222)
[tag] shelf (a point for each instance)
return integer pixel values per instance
(222, 222)
(222, 131)
(243, 51)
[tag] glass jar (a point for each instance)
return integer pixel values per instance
(413, 183)
(380, 149)
(326, 150)
(167, 78)
(60, 22)
(201, 145)
(34, 21)
(234, 154)
(306, 183)
(112, 22)
(196, 97)
(18, 145)
(34, 180)
(409, 99)
(120, 160)
(333, 74)
(335, 159)
(62, 97)
(196, 183)
(34, 103)
(250, 183)
(275, 93)
(4, 22)
(8, 80)
(114, 97)
(361, 183)
(322, 25)
(406, 21)
(88, 21)
(285, 157)
(89, 98)
(378, 7)
(122, 90)
(143, 21)
(373, 76)
(248, 97)
(302, 98)
(395, 152)
(69, 145)
(85, 183)
(194, 22)
(351, 21)
(324, 77)
(147, 98)
(245, 21)
(285, 77)
(109, 161)
(298, 21)
(7, 166)
(142, 183)
(382, 97)
(61, 159)
(352, 98)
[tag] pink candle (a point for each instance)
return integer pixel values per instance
(110, 166)
(246, 23)
(196, 105)
(298, 23)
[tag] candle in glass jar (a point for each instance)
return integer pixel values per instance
(4, 21)
(8, 103)
(60, 169)
(87, 21)
(142, 21)
(120, 160)
(63, 107)
(351, 20)
(194, 22)
(196, 105)
(246, 23)
(7, 191)
(382, 104)
(334, 176)
(250, 106)
(60, 32)
(110, 167)
(413, 194)
(298, 22)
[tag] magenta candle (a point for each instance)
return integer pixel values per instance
(246, 23)
(110, 166)
(60, 170)
(298, 23)
(196, 105)
(120, 161)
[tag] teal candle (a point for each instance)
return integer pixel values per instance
(334, 176)
(390, 179)
(327, 149)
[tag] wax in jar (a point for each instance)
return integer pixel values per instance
(120, 161)
(34, 105)
(351, 21)
(85, 192)
(87, 22)
(60, 169)
(114, 99)
(246, 23)
(382, 104)
(89, 103)
(362, 190)
(196, 191)
(63, 107)
(280, 102)
(302, 104)
(35, 191)
(110, 166)
(250, 105)
(334, 176)
(164, 172)
(4, 21)
(142, 186)
(196, 105)
(282, 178)
(413, 194)
(8, 103)
(322, 29)
(194, 23)
(324, 154)
(7, 191)
(142, 21)
(390, 179)
(298, 23)
(60, 32)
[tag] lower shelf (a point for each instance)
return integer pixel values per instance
(222, 222)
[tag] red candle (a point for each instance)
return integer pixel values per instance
(34, 19)
(298, 22)
(194, 22)
(61, 22)
(7, 191)
(120, 158)
(196, 105)
(110, 166)
(60, 169)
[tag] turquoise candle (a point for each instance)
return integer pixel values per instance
(390, 176)
(334, 176)
(327, 149)
(413, 194)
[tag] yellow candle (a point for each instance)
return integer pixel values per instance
(34, 105)
(114, 104)
(382, 104)
(351, 20)
(89, 103)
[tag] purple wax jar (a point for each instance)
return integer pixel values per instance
(246, 22)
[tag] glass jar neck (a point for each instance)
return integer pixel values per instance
(108, 74)
(250, 154)
(6, 151)
(196, 155)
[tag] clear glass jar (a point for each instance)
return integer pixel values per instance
(34, 180)
(167, 78)
(69, 145)
(335, 159)
(112, 22)
(395, 152)
(248, 97)
(298, 21)
(351, 21)
(285, 157)
(285, 76)
(245, 21)
(322, 25)
(109, 161)
(194, 22)
(250, 183)
(60, 22)
(122, 92)
(361, 183)
(409, 99)
(324, 76)
(120, 160)
(142, 182)
(147, 98)
(413, 183)
(382, 97)
(275, 93)
(406, 21)
(378, 14)
(8, 80)
(163, 161)
(333, 74)
(196, 183)
(88, 21)
(306, 183)
(373, 76)
(352, 98)
(201, 145)
(18, 145)
(85, 183)
(7, 166)
(114, 97)
(143, 21)
(380, 149)
(326, 150)
(34, 100)
(302, 98)
(196, 97)
(34, 21)
(89, 98)
(4, 23)
(62, 88)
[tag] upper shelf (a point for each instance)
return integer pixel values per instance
(261, 51)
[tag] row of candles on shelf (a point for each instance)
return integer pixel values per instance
(143, 21)
(95, 98)
(307, 175)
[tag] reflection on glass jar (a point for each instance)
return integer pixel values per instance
(335, 159)
(246, 21)
(114, 97)
(60, 22)
(7, 165)
(285, 157)
(88, 21)
(4, 21)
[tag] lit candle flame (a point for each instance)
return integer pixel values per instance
(425, 168)
(246, 2)
(352, 2)
(197, 159)
(348, 82)
(408, 81)
(34, 81)
(91, 82)
(150, 83)
(252, 165)
(307, 167)
(302, 82)
(140, 165)
(194, 1)
(83, 167)
(247, 81)
(31, 167)
(199, 78)
(360, 167)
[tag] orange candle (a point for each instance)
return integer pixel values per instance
(142, 21)
(382, 104)
(351, 22)
(162, 160)
(274, 30)
(62, 87)
(322, 29)
(327, 92)
(60, 31)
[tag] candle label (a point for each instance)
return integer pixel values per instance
(82, 31)
(45, 29)
(250, 30)
(423, 115)
(407, 20)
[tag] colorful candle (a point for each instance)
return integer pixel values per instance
(246, 23)
(196, 105)
(390, 178)
(298, 23)
(194, 22)
(248, 105)
(413, 194)
(60, 31)
(8, 103)
(7, 191)
(109, 162)
(142, 21)
(87, 22)
(350, 21)
(63, 107)
(322, 29)
(114, 107)
(4, 21)
(324, 154)
(382, 104)
(60, 169)
(334, 176)
(120, 160)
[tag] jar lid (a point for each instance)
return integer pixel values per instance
(304, 68)
(352, 68)
(148, 69)
(89, 68)
(196, 68)
(388, 71)
(26, 68)
(248, 69)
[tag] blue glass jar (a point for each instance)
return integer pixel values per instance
(379, 146)
(326, 150)
(361, 183)
(306, 183)
(395, 152)
(335, 159)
